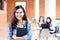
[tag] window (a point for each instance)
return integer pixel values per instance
(0, 4)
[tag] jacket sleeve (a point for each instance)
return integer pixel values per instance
(29, 35)
(9, 35)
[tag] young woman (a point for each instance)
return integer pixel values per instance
(41, 21)
(46, 28)
(19, 21)
(48, 21)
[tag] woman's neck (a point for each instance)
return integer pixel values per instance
(20, 22)
(47, 22)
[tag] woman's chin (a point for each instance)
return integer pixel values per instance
(19, 18)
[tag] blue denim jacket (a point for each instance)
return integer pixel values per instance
(27, 36)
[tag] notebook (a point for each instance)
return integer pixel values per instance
(45, 26)
(21, 32)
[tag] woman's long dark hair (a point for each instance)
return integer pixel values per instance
(14, 20)
(40, 18)
(50, 20)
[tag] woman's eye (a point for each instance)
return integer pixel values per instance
(17, 12)
(20, 12)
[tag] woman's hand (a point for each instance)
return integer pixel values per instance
(18, 38)
(14, 37)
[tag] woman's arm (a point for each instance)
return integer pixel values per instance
(29, 35)
(9, 37)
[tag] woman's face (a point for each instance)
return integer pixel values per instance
(48, 20)
(19, 14)
(41, 19)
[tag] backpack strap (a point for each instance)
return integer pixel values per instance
(26, 24)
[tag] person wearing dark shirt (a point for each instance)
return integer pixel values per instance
(46, 28)
(19, 27)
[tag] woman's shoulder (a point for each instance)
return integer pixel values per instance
(26, 22)
(9, 24)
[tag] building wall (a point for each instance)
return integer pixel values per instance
(3, 15)
(3, 22)
(30, 8)
(42, 8)
(58, 8)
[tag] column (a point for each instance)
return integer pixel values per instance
(36, 7)
(50, 10)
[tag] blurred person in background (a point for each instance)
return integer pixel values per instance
(35, 32)
(45, 34)
(40, 22)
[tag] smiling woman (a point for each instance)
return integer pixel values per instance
(19, 28)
